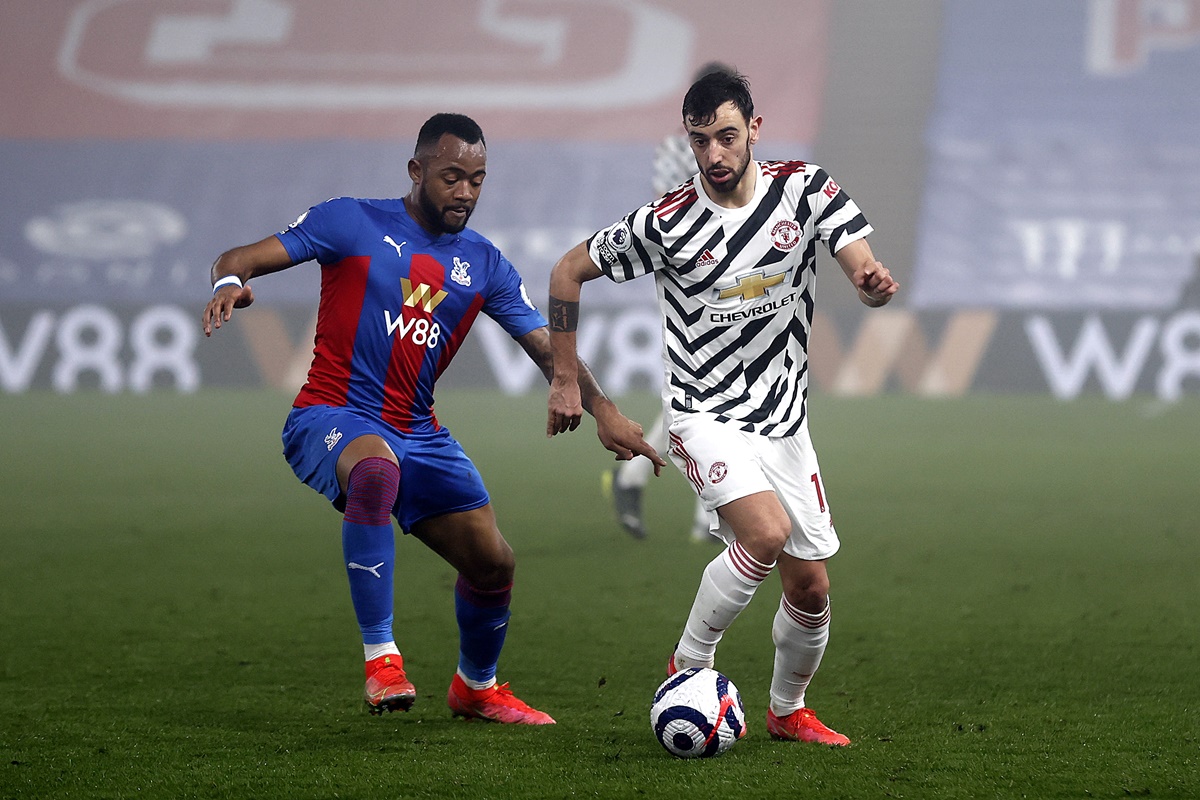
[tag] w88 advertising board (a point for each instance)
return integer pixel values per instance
(1057, 240)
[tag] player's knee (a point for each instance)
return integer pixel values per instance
(373, 486)
(493, 570)
(492, 578)
(766, 541)
(810, 602)
(808, 592)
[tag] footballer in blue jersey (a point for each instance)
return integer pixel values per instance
(407, 296)
(402, 281)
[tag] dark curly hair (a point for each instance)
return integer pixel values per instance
(712, 91)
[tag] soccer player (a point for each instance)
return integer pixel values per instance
(733, 254)
(624, 484)
(402, 280)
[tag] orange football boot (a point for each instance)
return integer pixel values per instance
(802, 725)
(388, 688)
(496, 704)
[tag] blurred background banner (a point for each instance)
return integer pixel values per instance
(376, 69)
(1031, 171)
(147, 137)
(1064, 166)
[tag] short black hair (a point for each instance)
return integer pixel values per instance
(713, 90)
(438, 125)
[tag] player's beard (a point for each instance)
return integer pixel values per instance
(738, 172)
(437, 216)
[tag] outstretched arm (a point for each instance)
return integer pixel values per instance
(572, 386)
(872, 279)
(241, 263)
(617, 432)
(566, 282)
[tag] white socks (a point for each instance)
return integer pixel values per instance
(800, 640)
(478, 686)
(374, 651)
(727, 586)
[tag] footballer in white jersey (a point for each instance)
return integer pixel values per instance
(736, 289)
(733, 253)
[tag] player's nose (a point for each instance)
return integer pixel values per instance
(464, 191)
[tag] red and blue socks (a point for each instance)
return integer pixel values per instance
(482, 625)
(369, 545)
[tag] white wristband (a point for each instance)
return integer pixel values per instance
(228, 280)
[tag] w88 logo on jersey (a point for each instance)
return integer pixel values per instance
(420, 331)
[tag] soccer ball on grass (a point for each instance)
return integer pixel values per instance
(697, 713)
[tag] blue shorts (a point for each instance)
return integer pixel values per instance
(436, 477)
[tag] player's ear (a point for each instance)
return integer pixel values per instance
(752, 129)
(414, 170)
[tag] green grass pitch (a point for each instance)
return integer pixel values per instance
(1015, 610)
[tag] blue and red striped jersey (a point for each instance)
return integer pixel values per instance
(396, 304)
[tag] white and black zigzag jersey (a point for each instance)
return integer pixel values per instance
(736, 289)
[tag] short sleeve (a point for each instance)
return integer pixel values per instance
(839, 220)
(323, 232)
(508, 303)
(630, 247)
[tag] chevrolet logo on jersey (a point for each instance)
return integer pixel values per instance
(422, 294)
(751, 287)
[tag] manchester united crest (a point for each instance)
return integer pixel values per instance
(785, 235)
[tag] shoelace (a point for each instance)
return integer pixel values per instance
(388, 673)
(498, 692)
(810, 720)
(479, 695)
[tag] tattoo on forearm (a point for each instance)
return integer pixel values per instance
(564, 315)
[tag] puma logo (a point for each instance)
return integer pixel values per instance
(373, 570)
(392, 242)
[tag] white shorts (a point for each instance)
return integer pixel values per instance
(722, 464)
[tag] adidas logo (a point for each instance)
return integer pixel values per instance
(706, 259)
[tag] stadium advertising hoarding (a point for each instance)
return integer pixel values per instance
(1057, 239)
(118, 347)
(1064, 157)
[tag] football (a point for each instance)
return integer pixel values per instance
(697, 713)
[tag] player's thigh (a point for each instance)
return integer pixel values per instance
(315, 439)
(791, 465)
(718, 460)
(470, 542)
(759, 523)
(437, 479)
